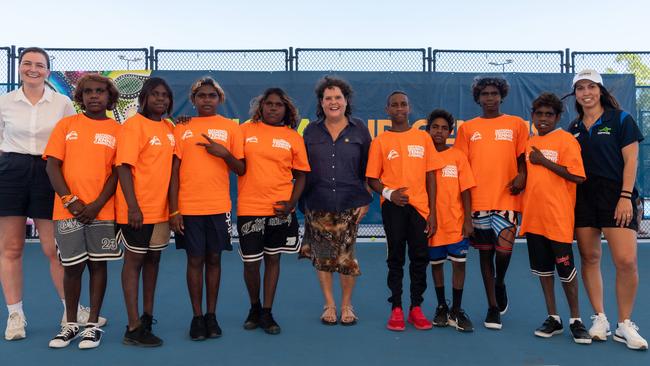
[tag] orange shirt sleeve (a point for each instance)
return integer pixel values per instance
(299, 154)
(56, 144)
(571, 157)
(522, 137)
(461, 141)
(128, 144)
(465, 175)
(237, 143)
(375, 161)
(434, 160)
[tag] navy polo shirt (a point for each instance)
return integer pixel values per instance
(338, 168)
(601, 145)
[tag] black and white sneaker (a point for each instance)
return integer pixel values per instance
(253, 319)
(550, 328)
(197, 328)
(460, 320)
(440, 319)
(90, 337)
(213, 330)
(502, 298)
(493, 319)
(580, 333)
(69, 331)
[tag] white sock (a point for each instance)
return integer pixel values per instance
(63, 302)
(571, 320)
(16, 308)
(556, 317)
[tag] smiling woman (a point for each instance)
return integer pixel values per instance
(27, 117)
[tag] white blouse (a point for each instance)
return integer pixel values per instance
(26, 128)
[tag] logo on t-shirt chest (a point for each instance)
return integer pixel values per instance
(504, 134)
(449, 171)
(187, 134)
(551, 155)
(72, 135)
(415, 151)
(281, 144)
(172, 141)
(104, 139)
(221, 135)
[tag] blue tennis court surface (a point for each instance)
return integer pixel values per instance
(305, 341)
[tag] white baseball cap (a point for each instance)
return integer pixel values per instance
(588, 74)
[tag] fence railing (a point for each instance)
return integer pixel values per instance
(498, 61)
(225, 60)
(361, 59)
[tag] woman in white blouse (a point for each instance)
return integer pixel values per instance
(27, 117)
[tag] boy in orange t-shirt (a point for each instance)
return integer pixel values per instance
(454, 213)
(494, 144)
(145, 148)
(80, 155)
(554, 167)
(401, 164)
(207, 148)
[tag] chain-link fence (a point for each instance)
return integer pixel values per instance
(637, 63)
(498, 61)
(97, 59)
(223, 60)
(360, 59)
(6, 66)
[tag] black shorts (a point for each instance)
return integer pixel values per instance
(259, 235)
(596, 201)
(546, 255)
(150, 237)
(205, 233)
(25, 188)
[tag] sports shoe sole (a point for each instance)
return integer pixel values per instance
(88, 345)
(16, 337)
(396, 329)
(623, 340)
(582, 340)
(426, 327)
(131, 342)
(495, 326)
(599, 338)
(549, 335)
(441, 325)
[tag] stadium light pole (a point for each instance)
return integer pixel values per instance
(129, 60)
(502, 64)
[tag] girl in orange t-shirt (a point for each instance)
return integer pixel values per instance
(144, 162)
(276, 162)
(80, 155)
(207, 148)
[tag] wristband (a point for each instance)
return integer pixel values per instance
(174, 213)
(70, 201)
(66, 198)
(386, 192)
(624, 191)
(628, 197)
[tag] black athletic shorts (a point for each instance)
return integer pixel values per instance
(596, 201)
(259, 235)
(205, 233)
(154, 237)
(25, 188)
(546, 255)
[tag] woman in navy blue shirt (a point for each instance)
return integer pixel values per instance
(336, 197)
(609, 139)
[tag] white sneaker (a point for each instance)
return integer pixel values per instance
(627, 332)
(599, 330)
(82, 317)
(90, 337)
(68, 332)
(16, 324)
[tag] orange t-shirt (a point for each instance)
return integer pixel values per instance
(549, 200)
(147, 146)
(454, 177)
(271, 153)
(402, 159)
(204, 178)
(492, 146)
(87, 149)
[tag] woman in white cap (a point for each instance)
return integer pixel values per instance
(609, 138)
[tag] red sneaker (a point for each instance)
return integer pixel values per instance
(417, 318)
(396, 320)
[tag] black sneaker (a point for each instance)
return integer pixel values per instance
(460, 320)
(69, 331)
(212, 326)
(493, 319)
(440, 318)
(550, 328)
(580, 333)
(268, 323)
(140, 336)
(147, 321)
(198, 329)
(253, 319)
(502, 298)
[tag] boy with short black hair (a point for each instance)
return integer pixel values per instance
(554, 167)
(454, 214)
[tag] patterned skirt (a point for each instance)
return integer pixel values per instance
(329, 240)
